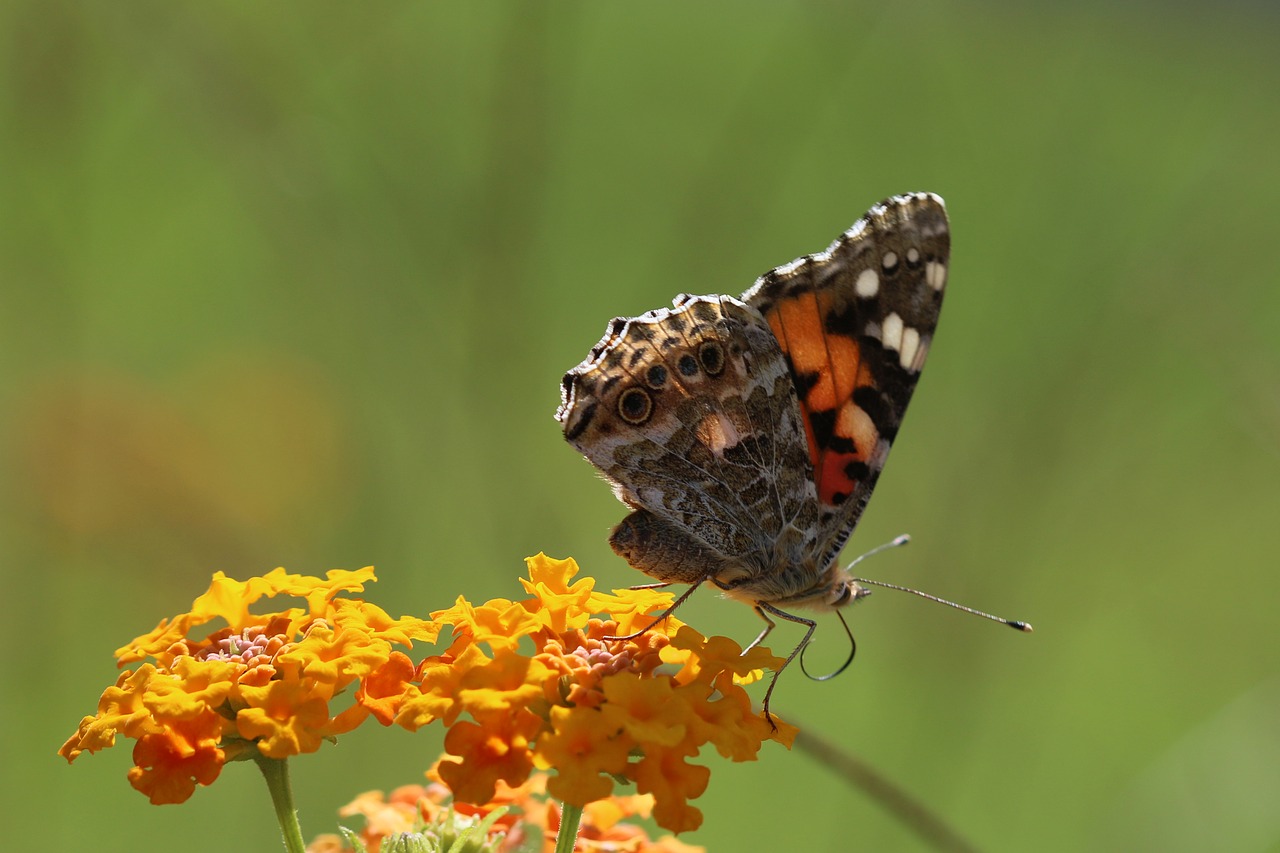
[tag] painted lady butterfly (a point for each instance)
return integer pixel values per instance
(747, 435)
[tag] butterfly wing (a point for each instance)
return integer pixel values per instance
(691, 414)
(855, 323)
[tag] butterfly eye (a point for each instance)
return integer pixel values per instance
(711, 354)
(656, 376)
(635, 406)
(840, 595)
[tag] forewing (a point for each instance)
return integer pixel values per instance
(855, 323)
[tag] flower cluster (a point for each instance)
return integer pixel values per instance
(591, 706)
(592, 685)
(515, 820)
(261, 686)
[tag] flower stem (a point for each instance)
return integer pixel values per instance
(931, 829)
(276, 772)
(570, 817)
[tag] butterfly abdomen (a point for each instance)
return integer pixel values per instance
(663, 551)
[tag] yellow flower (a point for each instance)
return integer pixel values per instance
(586, 751)
(592, 707)
(260, 685)
(555, 681)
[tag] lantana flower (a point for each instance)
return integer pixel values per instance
(601, 688)
(588, 684)
(526, 820)
(260, 686)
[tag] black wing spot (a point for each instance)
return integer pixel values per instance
(871, 401)
(824, 432)
(841, 322)
(857, 471)
(608, 383)
(635, 406)
(824, 426)
(584, 420)
(711, 354)
(804, 382)
(842, 444)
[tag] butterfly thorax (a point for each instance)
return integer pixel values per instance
(798, 588)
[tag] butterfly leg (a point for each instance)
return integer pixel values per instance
(684, 596)
(810, 626)
(769, 625)
(659, 585)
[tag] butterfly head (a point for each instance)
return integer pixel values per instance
(843, 591)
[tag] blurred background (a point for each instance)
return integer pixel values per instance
(294, 284)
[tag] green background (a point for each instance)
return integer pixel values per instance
(294, 284)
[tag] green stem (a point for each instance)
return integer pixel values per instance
(570, 817)
(932, 829)
(276, 772)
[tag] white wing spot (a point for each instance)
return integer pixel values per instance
(935, 273)
(854, 423)
(891, 334)
(910, 344)
(913, 255)
(868, 284)
(889, 261)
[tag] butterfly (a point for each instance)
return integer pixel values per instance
(746, 435)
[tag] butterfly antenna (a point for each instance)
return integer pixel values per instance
(853, 644)
(893, 543)
(1012, 623)
(903, 540)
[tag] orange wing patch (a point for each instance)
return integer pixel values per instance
(829, 368)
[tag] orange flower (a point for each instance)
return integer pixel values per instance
(553, 681)
(382, 690)
(522, 818)
(168, 764)
(496, 748)
(673, 782)
(593, 708)
(261, 685)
